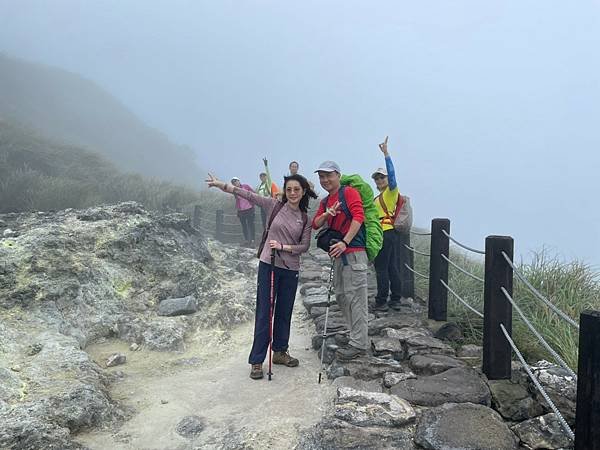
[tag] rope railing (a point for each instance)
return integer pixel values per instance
(415, 272)
(538, 294)
(230, 234)
(539, 387)
(205, 230)
(481, 252)
(453, 264)
(547, 346)
(412, 249)
(460, 299)
(208, 212)
(417, 233)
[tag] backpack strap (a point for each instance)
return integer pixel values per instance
(342, 199)
(304, 222)
(276, 208)
(399, 206)
(274, 213)
(396, 211)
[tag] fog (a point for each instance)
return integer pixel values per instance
(492, 108)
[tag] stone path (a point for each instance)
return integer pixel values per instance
(419, 387)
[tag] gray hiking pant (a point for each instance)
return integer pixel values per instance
(350, 284)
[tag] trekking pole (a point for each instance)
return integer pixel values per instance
(271, 312)
(329, 292)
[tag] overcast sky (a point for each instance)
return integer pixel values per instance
(492, 108)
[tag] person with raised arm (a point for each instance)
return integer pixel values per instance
(266, 188)
(288, 235)
(387, 260)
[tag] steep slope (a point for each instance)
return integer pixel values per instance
(37, 173)
(72, 109)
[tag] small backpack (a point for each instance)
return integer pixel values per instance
(402, 217)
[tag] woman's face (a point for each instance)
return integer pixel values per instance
(293, 192)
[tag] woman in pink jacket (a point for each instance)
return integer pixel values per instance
(289, 236)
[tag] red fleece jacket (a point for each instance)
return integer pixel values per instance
(340, 222)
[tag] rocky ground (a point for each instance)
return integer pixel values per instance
(420, 387)
(73, 279)
(125, 329)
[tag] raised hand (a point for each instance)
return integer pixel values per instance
(334, 209)
(383, 146)
(213, 181)
(266, 163)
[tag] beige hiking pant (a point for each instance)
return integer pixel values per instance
(350, 284)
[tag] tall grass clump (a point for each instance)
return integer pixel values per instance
(571, 286)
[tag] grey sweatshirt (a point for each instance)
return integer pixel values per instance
(286, 228)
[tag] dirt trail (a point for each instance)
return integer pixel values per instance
(211, 380)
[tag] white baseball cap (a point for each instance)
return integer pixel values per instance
(380, 171)
(328, 166)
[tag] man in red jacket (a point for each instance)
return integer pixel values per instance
(343, 211)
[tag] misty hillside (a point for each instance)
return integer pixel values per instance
(69, 108)
(38, 173)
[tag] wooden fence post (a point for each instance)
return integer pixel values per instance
(438, 269)
(219, 225)
(587, 416)
(408, 280)
(497, 352)
(196, 216)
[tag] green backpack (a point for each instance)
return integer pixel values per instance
(371, 232)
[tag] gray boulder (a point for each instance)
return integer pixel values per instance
(366, 409)
(309, 285)
(402, 334)
(560, 386)
(433, 364)
(178, 306)
(359, 385)
(335, 434)
(543, 432)
(306, 275)
(312, 301)
(368, 367)
(449, 331)
(464, 427)
(402, 321)
(470, 351)
(459, 385)
(8, 233)
(387, 346)
(513, 400)
(393, 378)
(190, 426)
(164, 335)
(426, 345)
(116, 359)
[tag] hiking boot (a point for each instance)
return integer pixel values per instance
(380, 307)
(396, 306)
(285, 359)
(349, 352)
(256, 373)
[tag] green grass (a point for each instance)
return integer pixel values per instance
(571, 286)
(37, 174)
